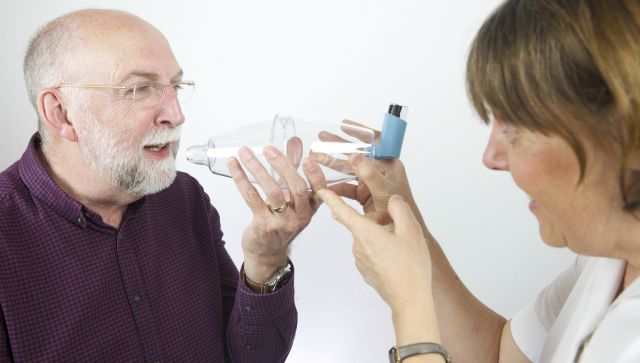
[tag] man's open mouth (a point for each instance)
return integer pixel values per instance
(156, 147)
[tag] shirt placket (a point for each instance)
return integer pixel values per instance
(137, 295)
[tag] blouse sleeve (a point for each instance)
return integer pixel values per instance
(530, 325)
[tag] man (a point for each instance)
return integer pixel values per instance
(108, 254)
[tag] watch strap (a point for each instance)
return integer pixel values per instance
(398, 354)
(277, 280)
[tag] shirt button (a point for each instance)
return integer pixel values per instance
(137, 298)
(248, 347)
(80, 220)
(248, 307)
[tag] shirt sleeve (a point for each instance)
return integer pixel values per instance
(5, 351)
(530, 325)
(260, 327)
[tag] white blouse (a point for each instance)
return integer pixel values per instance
(579, 303)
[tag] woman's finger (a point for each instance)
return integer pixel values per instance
(405, 223)
(360, 131)
(344, 214)
(331, 162)
(367, 173)
(346, 190)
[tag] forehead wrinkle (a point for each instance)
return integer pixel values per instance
(123, 47)
(130, 61)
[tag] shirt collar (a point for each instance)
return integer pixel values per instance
(35, 176)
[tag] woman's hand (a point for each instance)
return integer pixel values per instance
(378, 180)
(393, 259)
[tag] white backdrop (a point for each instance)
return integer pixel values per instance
(333, 59)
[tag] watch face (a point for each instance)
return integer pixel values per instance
(281, 278)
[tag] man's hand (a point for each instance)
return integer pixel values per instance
(265, 242)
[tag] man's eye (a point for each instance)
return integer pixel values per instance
(178, 86)
(127, 92)
(142, 90)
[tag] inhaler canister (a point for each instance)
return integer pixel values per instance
(389, 145)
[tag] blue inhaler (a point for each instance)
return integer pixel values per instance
(391, 138)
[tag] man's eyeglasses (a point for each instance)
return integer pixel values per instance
(145, 93)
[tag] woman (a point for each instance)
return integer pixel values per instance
(559, 82)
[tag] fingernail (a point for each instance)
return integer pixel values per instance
(245, 154)
(309, 164)
(396, 198)
(357, 160)
(270, 152)
(321, 193)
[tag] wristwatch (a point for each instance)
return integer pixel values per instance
(398, 354)
(279, 279)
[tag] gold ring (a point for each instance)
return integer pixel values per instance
(281, 208)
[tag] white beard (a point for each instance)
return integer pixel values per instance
(115, 158)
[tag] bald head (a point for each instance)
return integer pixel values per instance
(48, 56)
(71, 46)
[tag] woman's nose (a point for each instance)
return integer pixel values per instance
(495, 153)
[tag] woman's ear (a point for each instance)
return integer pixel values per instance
(633, 161)
(53, 113)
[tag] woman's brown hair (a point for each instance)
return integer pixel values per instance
(564, 67)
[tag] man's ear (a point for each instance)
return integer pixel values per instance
(53, 113)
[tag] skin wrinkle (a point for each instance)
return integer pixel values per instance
(587, 216)
(110, 133)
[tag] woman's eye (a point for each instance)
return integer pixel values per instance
(511, 134)
(509, 129)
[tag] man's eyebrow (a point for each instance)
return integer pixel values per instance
(148, 75)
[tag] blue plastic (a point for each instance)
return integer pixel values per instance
(389, 145)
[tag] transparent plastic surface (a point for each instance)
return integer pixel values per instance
(329, 144)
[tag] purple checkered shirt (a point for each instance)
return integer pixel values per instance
(162, 287)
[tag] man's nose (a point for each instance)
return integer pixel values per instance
(171, 111)
(495, 153)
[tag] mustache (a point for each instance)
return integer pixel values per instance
(162, 136)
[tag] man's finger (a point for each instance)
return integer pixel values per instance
(269, 186)
(294, 151)
(316, 180)
(295, 183)
(314, 175)
(247, 190)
